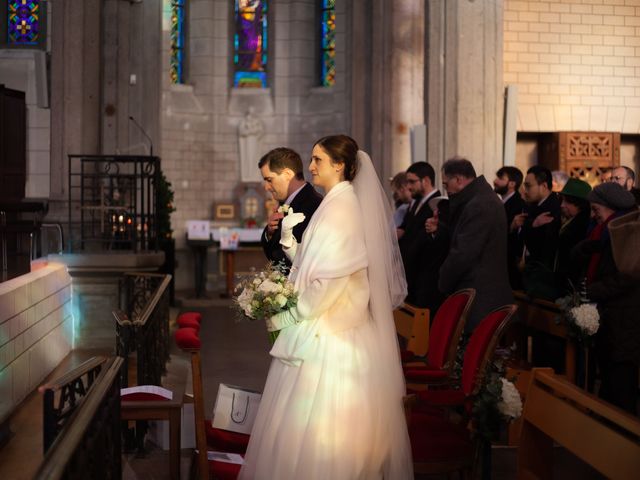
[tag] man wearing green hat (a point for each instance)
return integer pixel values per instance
(576, 216)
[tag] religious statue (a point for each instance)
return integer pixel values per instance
(250, 131)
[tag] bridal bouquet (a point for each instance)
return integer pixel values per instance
(265, 294)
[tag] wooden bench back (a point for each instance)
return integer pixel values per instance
(412, 324)
(601, 435)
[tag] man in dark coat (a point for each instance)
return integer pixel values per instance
(283, 176)
(477, 255)
(416, 250)
(507, 184)
(539, 228)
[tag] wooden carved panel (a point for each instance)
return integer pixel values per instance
(585, 155)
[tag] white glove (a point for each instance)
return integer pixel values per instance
(280, 320)
(288, 222)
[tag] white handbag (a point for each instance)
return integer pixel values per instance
(235, 409)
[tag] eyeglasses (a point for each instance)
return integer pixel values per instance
(617, 178)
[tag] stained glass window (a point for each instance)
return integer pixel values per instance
(250, 44)
(176, 64)
(328, 43)
(24, 22)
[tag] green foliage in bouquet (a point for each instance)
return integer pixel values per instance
(497, 401)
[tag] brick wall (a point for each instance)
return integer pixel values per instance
(576, 63)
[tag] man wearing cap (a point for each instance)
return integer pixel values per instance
(576, 213)
(617, 296)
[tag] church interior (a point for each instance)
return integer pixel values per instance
(131, 204)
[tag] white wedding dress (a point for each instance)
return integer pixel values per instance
(332, 404)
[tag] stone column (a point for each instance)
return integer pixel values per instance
(463, 82)
(387, 60)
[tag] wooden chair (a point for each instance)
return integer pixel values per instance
(438, 444)
(412, 324)
(188, 340)
(600, 434)
(444, 338)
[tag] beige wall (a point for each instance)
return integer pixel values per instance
(576, 64)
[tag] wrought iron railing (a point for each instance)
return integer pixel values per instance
(89, 444)
(142, 325)
(62, 396)
(113, 202)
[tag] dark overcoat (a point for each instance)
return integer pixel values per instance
(478, 252)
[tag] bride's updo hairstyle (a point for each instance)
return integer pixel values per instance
(343, 150)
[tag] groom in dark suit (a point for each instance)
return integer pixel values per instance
(281, 169)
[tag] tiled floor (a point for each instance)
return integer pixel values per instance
(233, 352)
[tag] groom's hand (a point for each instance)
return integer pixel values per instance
(273, 221)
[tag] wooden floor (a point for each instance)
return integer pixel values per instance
(232, 352)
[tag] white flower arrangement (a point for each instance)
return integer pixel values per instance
(266, 293)
(510, 406)
(586, 317)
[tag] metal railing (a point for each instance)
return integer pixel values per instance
(89, 444)
(142, 325)
(113, 202)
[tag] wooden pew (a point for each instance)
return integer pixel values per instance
(542, 315)
(412, 324)
(601, 435)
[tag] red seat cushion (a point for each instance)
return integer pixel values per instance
(197, 316)
(142, 397)
(188, 322)
(436, 439)
(444, 397)
(225, 441)
(223, 470)
(187, 339)
(443, 327)
(425, 374)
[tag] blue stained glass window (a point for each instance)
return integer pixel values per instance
(250, 44)
(176, 63)
(328, 43)
(24, 22)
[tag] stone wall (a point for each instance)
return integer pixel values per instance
(36, 330)
(576, 64)
(199, 120)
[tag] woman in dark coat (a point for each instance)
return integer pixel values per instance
(617, 345)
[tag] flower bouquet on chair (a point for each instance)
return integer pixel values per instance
(265, 294)
(581, 317)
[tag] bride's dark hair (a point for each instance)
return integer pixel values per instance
(342, 149)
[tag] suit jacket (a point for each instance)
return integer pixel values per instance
(477, 255)
(538, 277)
(306, 201)
(413, 247)
(512, 207)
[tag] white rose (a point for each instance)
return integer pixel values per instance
(511, 404)
(269, 287)
(281, 300)
(256, 281)
(283, 208)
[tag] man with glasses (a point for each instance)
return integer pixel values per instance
(538, 228)
(418, 255)
(626, 177)
(477, 256)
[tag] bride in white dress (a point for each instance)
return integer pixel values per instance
(332, 404)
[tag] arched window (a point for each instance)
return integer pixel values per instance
(24, 24)
(250, 44)
(328, 43)
(177, 61)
